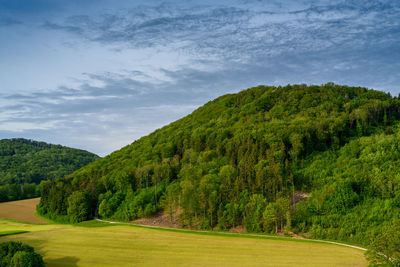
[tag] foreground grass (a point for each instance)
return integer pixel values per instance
(4, 233)
(96, 244)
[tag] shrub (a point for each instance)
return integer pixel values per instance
(19, 255)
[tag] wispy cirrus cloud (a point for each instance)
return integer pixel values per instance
(8, 21)
(237, 32)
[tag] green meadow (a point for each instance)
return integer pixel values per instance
(99, 244)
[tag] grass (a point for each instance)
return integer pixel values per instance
(99, 244)
(95, 243)
(5, 233)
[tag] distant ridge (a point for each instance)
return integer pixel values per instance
(25, 163)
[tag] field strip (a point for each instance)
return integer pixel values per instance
(268, 236)
(21, 210)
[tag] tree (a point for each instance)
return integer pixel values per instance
(212, 204)
(105, 210)
(227, 174)
(262, 170)
(189, 199)
(109, 203)
(385, 246)
(232, 214)
(254, 213)
(19, 255)
(78, 207)
(283, 211)
(221, 217)
(169, 200)
(26, 259)
(277, 214)
(204, 193)
(161, 172)
(270, 217)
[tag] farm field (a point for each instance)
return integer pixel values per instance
(100, 244)
(66, 245)
(21, 210)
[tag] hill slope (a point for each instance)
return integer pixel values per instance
(244, 159)
(25, 163)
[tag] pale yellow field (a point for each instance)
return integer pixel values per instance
(100, 244)
(66, 245)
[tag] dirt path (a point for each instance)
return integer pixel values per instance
(160, 227)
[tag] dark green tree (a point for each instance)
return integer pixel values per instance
(19, 255)
(78, 207)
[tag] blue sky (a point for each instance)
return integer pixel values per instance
(97, 75)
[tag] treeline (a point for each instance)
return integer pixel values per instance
(10, 192)
(25, 163)
(245, 159)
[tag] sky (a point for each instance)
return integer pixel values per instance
(97, 75)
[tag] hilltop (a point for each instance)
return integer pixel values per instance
(243, 159)
(25, 163)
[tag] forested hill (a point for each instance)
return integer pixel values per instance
(25, 163)
(310, 159)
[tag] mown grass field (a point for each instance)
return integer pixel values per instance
(66, 245)
(101, 244)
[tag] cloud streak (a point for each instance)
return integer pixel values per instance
(8, 21)
(236, 32)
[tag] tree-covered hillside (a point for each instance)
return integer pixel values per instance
(25, 163)
(310, 159)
